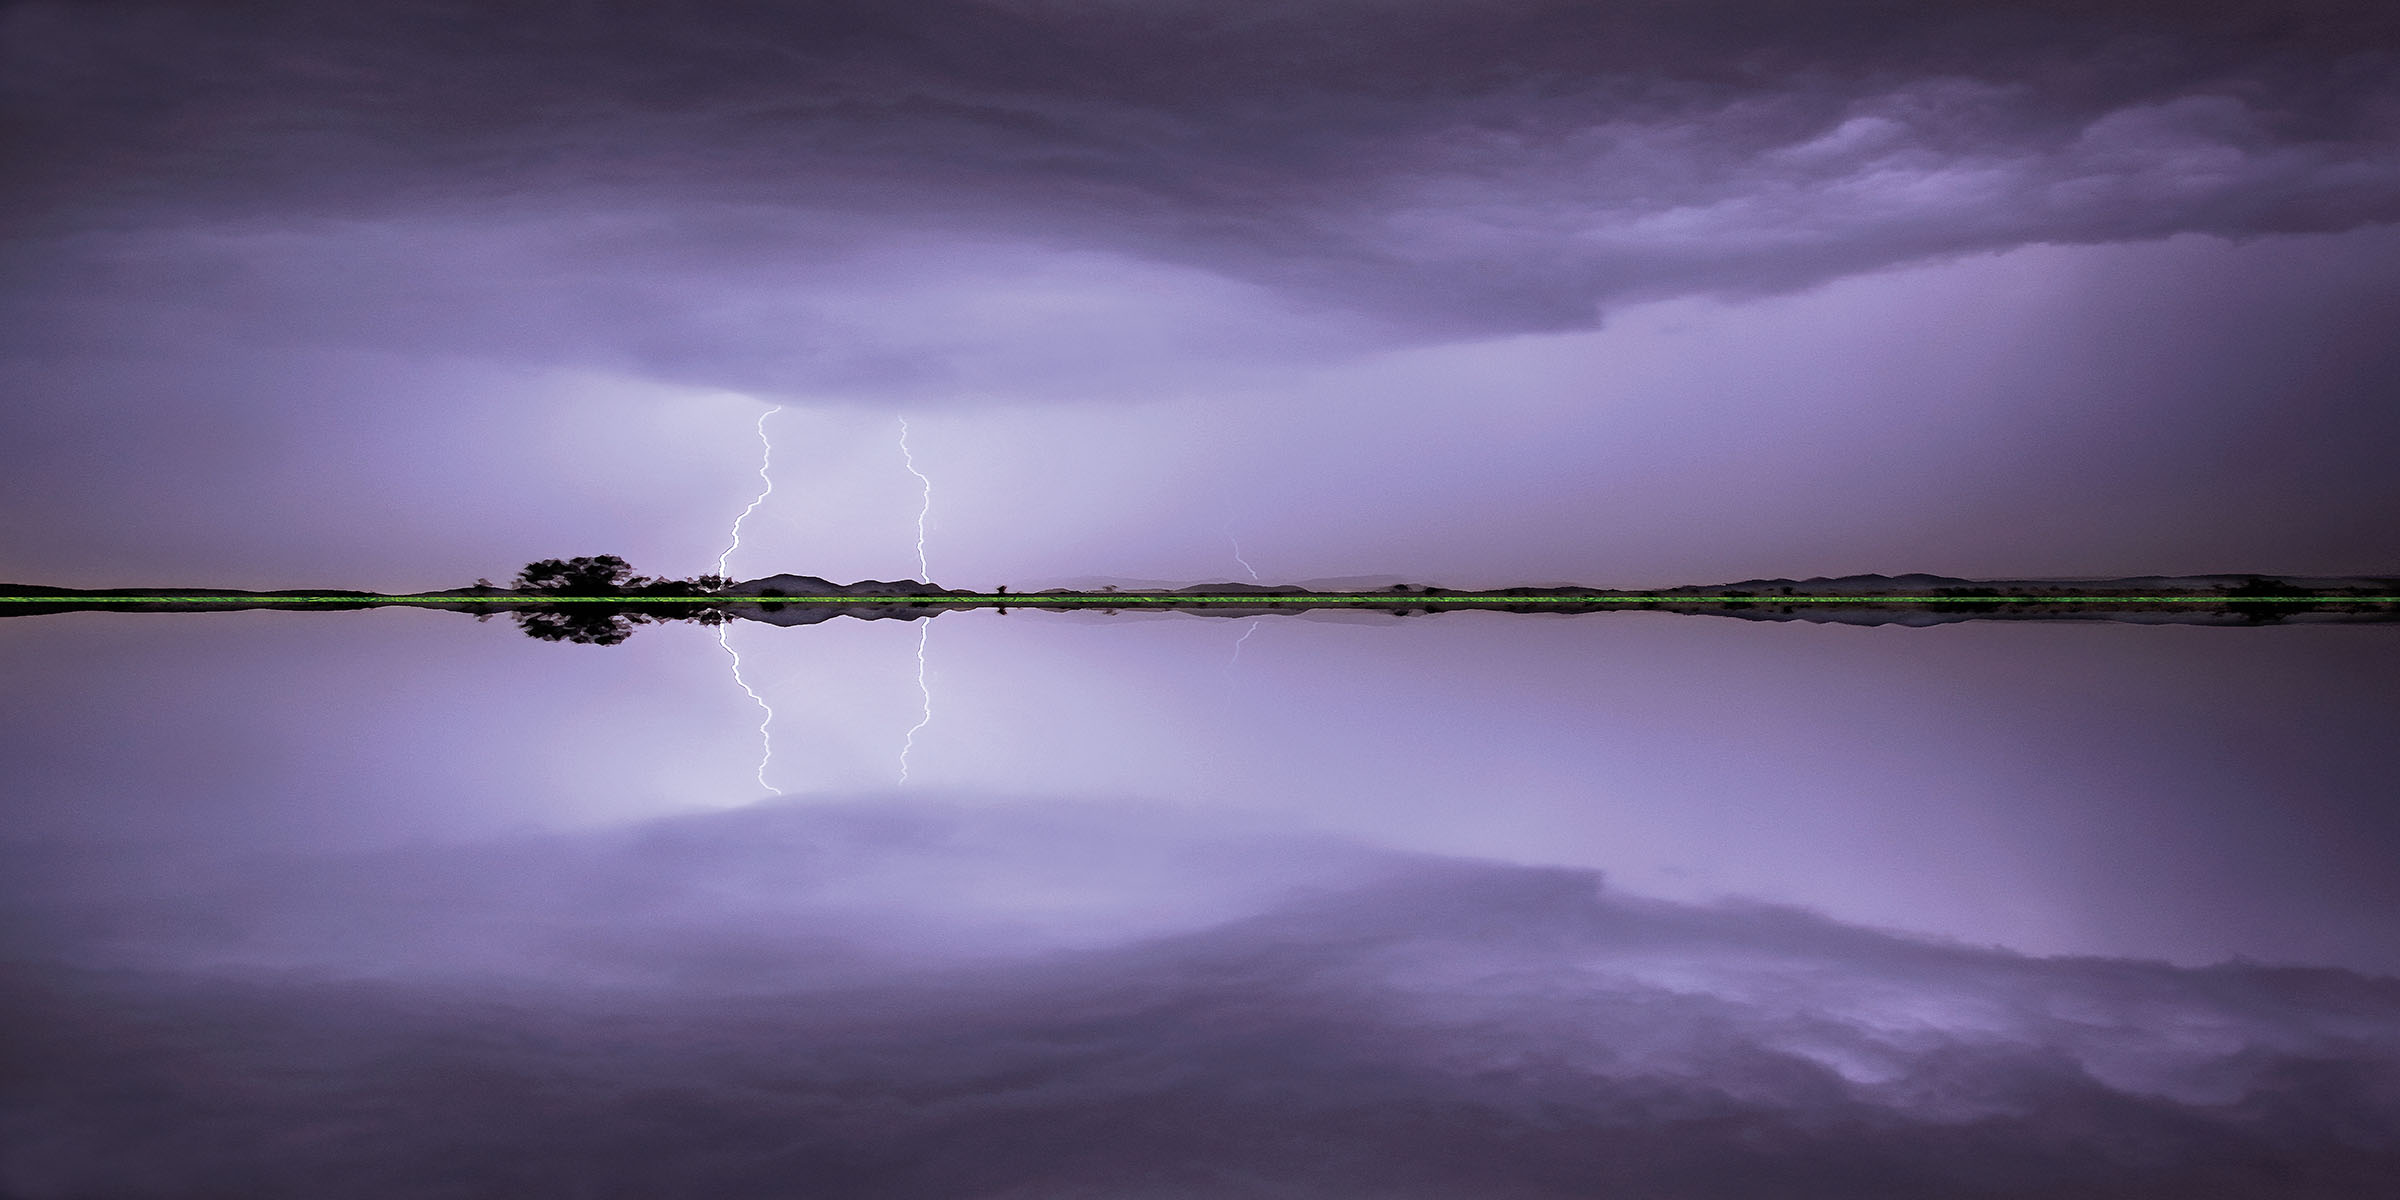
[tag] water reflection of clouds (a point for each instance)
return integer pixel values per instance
(948, 999)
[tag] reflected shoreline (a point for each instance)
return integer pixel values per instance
(1916, 600)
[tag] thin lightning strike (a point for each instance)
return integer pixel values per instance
(766, 458)
(924, 573)
(923, 632)
(1237, 557)
(766, 741)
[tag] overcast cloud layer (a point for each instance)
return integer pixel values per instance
(397, 294)
(1433, 169)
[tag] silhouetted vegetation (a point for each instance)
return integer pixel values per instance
(606, 575)
(576, 576)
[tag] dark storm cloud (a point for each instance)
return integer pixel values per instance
(1326, 1022)
(1443, 167)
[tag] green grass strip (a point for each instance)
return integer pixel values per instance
(1130, 599)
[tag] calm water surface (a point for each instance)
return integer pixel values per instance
(411, 899)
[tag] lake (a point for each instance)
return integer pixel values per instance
(1170, 902)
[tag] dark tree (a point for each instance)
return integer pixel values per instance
(593, 576)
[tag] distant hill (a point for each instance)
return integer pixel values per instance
(1339, 583)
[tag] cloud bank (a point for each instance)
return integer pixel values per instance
(934, 1001)
(797, 197)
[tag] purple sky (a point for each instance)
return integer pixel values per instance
(395, 295)
(415, 292)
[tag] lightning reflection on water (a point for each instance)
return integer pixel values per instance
(924, 632)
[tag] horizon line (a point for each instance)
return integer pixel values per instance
(1412, 599)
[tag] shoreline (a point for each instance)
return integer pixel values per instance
(1870, 599)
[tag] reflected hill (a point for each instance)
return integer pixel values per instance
(600, 601)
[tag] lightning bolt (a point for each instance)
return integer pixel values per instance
(766, 740)
(766, 458)
(924, 574)
(1237, 557)
(924, 632)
